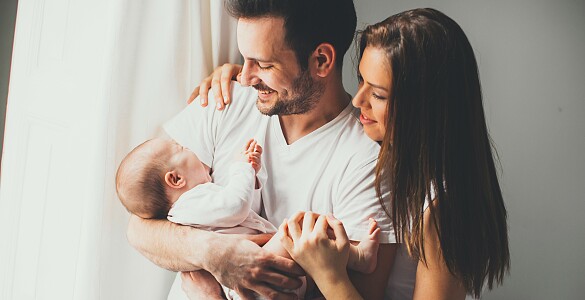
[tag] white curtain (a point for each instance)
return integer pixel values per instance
(89, 81)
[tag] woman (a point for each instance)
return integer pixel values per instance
(420, 98)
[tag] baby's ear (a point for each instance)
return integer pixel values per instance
(174, 180)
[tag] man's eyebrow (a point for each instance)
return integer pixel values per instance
(261, 60)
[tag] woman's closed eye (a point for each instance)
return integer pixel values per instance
(379, 97)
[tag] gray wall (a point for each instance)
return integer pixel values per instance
(7, 20)
(532, 66)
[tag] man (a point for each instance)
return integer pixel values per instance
(316, 155)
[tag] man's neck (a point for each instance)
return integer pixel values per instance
(333, 101)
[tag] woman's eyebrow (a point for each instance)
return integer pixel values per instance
(377, 86)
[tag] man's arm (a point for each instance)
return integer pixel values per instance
(201, 285)
(168, 245)
(234, 262)
(357, 202)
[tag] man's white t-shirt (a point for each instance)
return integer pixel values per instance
(330, 170)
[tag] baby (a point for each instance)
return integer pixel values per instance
(161, 179)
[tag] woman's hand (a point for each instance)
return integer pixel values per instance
(321, 246)
(219, 81)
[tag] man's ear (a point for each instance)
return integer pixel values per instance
(322, 60)
(174, 180)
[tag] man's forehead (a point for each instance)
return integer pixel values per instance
(262, 39)
(269, 23)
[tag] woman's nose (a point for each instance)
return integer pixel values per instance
(359, 100)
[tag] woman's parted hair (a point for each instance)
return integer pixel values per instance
(438, 144)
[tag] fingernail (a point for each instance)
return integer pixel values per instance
(218, 106)
(202, 100)
(225, 100)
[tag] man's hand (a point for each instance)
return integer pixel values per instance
(259, 239)
(245, 267)
(201, 285)
(219, 81)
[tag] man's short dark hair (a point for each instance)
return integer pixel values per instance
(307, 23)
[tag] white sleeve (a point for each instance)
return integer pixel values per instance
(358, 194)
(212, 205)
(195, 127)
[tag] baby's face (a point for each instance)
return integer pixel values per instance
(186, 163)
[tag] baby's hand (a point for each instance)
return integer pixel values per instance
(253, 152)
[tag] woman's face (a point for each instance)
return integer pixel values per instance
(375, 87)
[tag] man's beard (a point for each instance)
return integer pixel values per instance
(303, 97)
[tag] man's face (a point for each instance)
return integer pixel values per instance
(271, 67)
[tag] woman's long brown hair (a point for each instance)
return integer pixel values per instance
(438, 144)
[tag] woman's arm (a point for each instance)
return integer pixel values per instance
(324, 255)
(433, 280)
(373, 285)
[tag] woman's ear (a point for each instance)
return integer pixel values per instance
(175, 180)
(323, 59)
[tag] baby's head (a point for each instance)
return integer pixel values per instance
(154, 174)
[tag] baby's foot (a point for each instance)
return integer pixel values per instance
(366, 254)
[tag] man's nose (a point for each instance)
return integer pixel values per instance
(249, 77)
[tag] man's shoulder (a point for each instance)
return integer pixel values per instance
(243, 104)
(354, 141)
(243, 99)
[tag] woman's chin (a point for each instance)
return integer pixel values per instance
(374, 135)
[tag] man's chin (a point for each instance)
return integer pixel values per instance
(265, 108)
